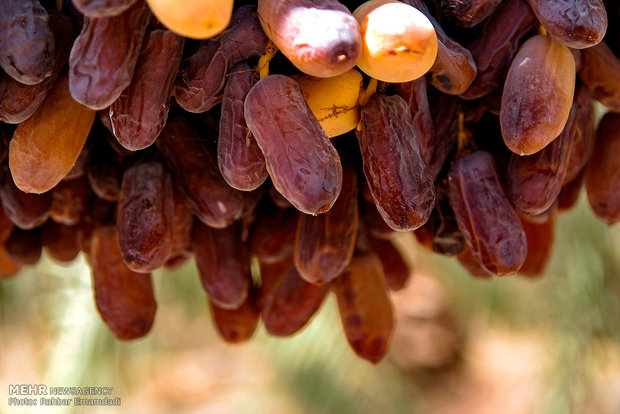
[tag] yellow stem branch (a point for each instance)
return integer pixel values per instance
(263, 62)
(368, 92)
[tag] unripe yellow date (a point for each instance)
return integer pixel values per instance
(399, 42)
(333, 101)
(197, 19)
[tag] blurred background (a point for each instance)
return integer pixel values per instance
(462, 345)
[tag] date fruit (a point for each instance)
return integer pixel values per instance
(488, 222)
(124, 298)
(399, 42)
(239, 157)
(399, 179)
(223, 264)
(324, 244)
(320, 37)
(365, 308)
(303, 164)
(105, 54)
(290, 303)
(26, 41)
(145, 216)
(45, 147)
(603, 171)
(538, 94)
(578, 24)
(140, 112)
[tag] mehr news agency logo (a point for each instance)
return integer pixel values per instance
(60, 396)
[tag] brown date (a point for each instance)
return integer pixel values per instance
(535, 181)
(124, 298)
(145, 216)
(104, 56)
(603, 171)
(600, 72)
(194, 169)
(399, 179)
(223, 264)
(303, 164)
(454, 69)
(365, 308)
(237, 325)
(239, 157)
(488, 222)
(494, 47)
(141, 110)
(290, 303)
(578, 24)
(324, 244)
(201, 77)
(18, 101)
(540, 238)
(45, 147)
(26, 41)
(538, 94)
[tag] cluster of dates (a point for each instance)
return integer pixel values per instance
(285, 186)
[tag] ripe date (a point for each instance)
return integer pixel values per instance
(145, 216)
(399, 179)
(324, 244)
(303, 164)
(488, 222)
(223, 264)
(124, 298)
(105, 54)
(365, 308)
(141, 110)
(239, 157)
